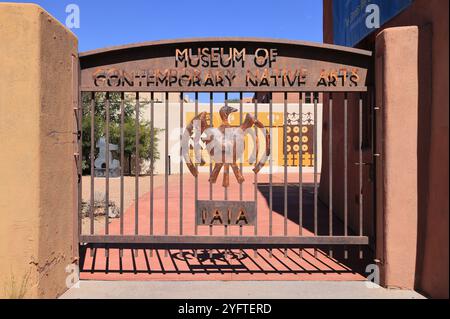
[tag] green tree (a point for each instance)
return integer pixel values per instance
(147, 151)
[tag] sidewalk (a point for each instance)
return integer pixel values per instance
(234, 290)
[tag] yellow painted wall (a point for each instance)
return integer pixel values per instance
(277, 139)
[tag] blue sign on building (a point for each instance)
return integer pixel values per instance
(349, 18)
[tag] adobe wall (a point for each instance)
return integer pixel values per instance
(37, 195)
(397, 131)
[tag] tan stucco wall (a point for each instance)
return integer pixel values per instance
(397, 97)
(36, 157)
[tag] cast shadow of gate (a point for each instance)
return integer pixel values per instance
(352, 259)
(260, 263)
(216, 261)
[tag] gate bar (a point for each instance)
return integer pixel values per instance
(271, 165)
(107, 105)
(152, 161)
(255, 194)
(122, 159)
(285, 199)
(345, 171)
(255, 178)
(285, 169)
(211, 124)
(78, 109)
(91, 212)
(300, 168)
(196, 166)
(315, 164)
(226, 241)
(166, 167)
(360, 171)
(181, 160)
(241, 190)
(300, 164)
(316, 226)
(226, 174)
(137, 169)
(226, 171)
(330, 168)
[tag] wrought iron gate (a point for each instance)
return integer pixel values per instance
(192, 212)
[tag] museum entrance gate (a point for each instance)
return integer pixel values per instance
(224, 158)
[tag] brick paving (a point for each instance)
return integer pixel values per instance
(263, 264)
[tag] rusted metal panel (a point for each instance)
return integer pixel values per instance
(229, 65)
(213, 65)
(232, 213)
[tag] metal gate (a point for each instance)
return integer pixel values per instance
(269, 202)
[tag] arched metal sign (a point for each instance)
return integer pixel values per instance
(226, 64)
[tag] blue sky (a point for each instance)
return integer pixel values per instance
(106, 23)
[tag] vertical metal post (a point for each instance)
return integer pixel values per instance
(256, 175)
(78, 109)
(225, 167)
(360, 171)
(315, 152)
(211, 123)
(136, 168)
(271, 165)
(285, 159)
(122, 159)
(152, 161)
(255, 190)
(241, 166)
(226, 171)
(166, 166)
(181, 159)
(196, 165)
(300, 167)
(330, 168)
(107, 106)
(92, 157)
(345, 171)
(285, 199)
